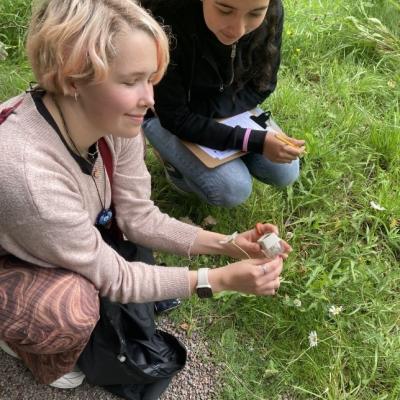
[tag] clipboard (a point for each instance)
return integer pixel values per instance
(211, 162)
(206, 159)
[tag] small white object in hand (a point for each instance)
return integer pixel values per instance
(313, 339)
(229, 238)
(271, 245)
(335, 310)
(376, 206)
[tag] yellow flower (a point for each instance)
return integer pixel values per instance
(394, 223)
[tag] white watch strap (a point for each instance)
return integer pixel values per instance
(202, 277)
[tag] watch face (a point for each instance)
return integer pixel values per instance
(204, 292)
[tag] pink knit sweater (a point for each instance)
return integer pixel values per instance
(48, 208)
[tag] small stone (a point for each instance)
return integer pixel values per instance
(185, 326)
(209, 222)
(200, 378)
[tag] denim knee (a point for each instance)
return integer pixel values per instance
(280, 175)
(225, 186)
(229, 193)
(289, 175)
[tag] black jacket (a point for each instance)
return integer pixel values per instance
(196, 88)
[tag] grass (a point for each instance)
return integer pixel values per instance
(339, 88)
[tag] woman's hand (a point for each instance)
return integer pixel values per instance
(256, 276)
(248, 242)
(241, 246)
(279, 152)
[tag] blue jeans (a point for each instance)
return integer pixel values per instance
(227, 185)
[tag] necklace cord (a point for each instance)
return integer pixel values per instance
(79, 153)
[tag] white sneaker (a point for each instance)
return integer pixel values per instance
(70, 380)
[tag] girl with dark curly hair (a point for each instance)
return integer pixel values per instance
(224, 61)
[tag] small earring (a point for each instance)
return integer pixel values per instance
(76, 96)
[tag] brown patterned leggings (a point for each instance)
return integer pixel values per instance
(46, 316)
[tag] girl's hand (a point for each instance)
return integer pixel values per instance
(257, 276)
(280, 152)
(248, 242)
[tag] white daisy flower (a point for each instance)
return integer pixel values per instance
(289, 235)
(3, 51)
(376, 206)
(297, 303)
(335, 310)
(313, 339)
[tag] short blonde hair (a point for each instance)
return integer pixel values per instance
(74, 40)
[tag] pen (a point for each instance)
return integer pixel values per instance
(286, 141)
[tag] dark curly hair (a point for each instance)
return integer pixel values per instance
(257, 60)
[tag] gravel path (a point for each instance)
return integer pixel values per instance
(198, 381)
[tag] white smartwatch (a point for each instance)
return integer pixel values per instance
(203, 288)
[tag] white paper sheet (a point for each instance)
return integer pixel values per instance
(242, 120)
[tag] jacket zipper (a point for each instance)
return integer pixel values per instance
(233, 55)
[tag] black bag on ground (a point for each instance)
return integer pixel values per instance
(126, 354)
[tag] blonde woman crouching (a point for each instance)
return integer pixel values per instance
(95, 62)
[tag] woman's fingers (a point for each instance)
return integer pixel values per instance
(287, 248)
(266, 228)
(268, 283)
(297, 142)
(255, 276)
(272, 285)
(271, 270)
(288, 153)
(292, 151)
